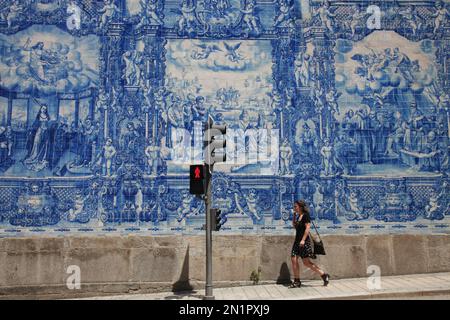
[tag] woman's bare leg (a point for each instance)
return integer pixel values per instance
(295, 267)
(309, 264)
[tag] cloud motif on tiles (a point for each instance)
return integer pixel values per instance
(367, 68)
(47, 66)
(250, 56)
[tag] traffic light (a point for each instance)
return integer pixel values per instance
(218, 219)
(212, 143)
(197, 179)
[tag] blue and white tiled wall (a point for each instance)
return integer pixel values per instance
(92, 92)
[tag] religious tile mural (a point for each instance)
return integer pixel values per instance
(342, 103)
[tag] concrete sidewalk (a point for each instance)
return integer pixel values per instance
(390, 287)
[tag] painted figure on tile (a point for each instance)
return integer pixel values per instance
(187, 21)
(77, 211)
(102, 101)
(5, 147)
(39, 59)
(286, 157)
(232, 53)
(432, 151)
(362, 135)
(325, 15)
(250, 16)
(290, 95)
(152, 154)
(244, 120)
(109, 11)
(358, 18)
(414, 134)
(221, 7)
(174, 117)
(285, 8)
(116, 98)
(12, 14)
(318, 96)
(161, 106)
(252, 201)
(355, 208)
(206, 50)
(395, 136)
(443, 101)
(9, 135)
(148, 212)
(181, 146)
(160, 101)
(249, 144)
(375, 130)
(346, 155)
(128, 212)
(443, 192)
(149, 13)
(187, 116)
(3, 13)
(441, 16)
(131, 140)
(88, 136)
(308, 140)
(327, 156)
(442, 133)
(186, 210)
(106, 157)
(302, 69)
(414, 20)
(332, 96)
(61, 140)
(133, 60)
(435, 207)
(199, 109)
(129, 173)
(38, 142)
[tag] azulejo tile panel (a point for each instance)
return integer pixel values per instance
(342, 103)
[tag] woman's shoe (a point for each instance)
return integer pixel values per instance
(326, 279)
(295, 284)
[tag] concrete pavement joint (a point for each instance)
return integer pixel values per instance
(400, 286)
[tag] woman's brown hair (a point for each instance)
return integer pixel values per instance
(303, 206)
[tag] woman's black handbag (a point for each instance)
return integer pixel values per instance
(319, 249)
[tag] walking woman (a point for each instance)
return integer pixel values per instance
(303, 245)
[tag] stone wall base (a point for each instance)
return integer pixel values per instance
(38, 267)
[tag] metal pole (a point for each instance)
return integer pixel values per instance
(208, 198)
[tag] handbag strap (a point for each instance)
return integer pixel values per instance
(316, 229)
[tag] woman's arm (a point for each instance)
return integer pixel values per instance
(305, 235)
(294, 220)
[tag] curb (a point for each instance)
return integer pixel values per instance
(395, 294)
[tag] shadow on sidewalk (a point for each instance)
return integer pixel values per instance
(182, 294)
(183, 286)
(285, 276)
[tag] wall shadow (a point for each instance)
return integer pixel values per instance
(285, 275)
(183, 282)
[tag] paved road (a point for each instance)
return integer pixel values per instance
(419, 286)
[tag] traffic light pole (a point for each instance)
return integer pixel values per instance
(211, 156)
(208, 198)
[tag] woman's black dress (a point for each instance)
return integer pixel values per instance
(306, 251)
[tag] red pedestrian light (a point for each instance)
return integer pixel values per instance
(197, 173)
(196, 179)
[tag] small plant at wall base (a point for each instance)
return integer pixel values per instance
(255, 276)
